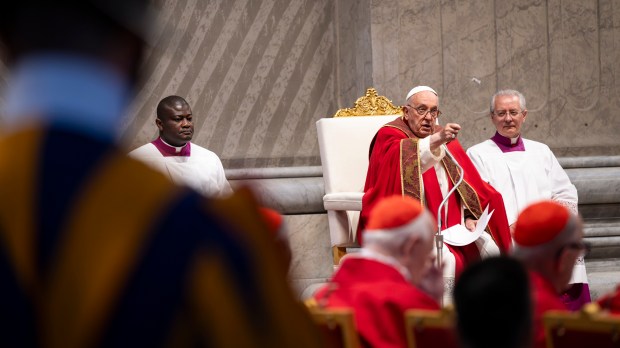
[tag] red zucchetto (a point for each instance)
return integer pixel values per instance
(540, 223)
(394, 212)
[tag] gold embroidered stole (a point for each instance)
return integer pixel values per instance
(411, 175)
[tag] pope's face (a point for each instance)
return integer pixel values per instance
(508, 116)
(176, 127)
(421, 124)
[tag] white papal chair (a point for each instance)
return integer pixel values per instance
(344, 140)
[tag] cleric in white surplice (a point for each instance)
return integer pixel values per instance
(173, 154)
(525, 171)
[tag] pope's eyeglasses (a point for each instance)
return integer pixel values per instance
(423, 111)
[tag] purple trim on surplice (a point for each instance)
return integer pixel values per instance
(167, 150)
(506, 145)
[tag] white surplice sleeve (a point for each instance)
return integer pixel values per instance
(476, 159)
(562, 190)
(222, 183)
(429, 158)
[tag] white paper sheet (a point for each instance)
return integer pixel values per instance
(458, 235)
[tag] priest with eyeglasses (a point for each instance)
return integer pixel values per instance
(525, 171)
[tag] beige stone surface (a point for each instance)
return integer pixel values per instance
(563, 55)
(259, 74)
(312, 258)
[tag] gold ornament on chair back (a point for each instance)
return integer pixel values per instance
(371, 104)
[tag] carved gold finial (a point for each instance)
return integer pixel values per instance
(371, 104)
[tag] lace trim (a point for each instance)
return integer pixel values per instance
(448, 290)
(580, 261)
(572, 206)
(448, 285)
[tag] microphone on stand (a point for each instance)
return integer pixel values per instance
(438, 235)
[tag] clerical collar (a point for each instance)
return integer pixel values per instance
(77, 92)
(168, 150)
(507, 144)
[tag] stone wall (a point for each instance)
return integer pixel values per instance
(563, 55)
(259, 74)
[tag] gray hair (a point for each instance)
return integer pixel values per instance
(508, 92)
(392, 241)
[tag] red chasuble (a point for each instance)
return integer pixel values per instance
(611, 301)
(379, 296)
(545, 299)
(394, 168)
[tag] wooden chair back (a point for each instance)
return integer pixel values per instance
(589, 327)
(337, 326)
(429, 328)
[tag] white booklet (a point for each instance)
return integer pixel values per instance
(458, 235)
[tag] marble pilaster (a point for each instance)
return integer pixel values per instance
(312, 258)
